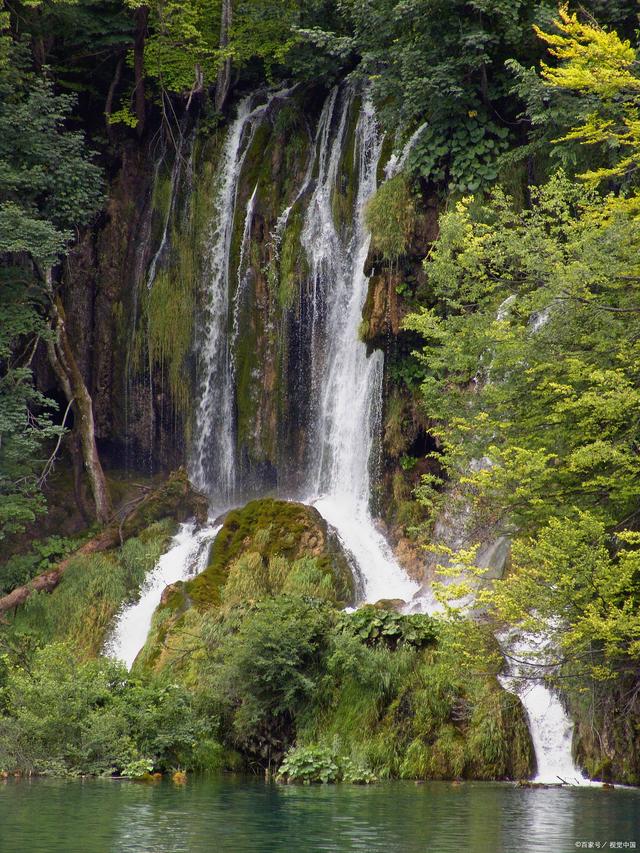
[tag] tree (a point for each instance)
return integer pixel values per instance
(47, 186)
(24, 413)
(531, 354)
(442, 63)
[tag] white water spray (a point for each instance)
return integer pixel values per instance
(186, 557)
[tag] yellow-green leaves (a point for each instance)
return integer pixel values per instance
(591, 59)
(600, 68)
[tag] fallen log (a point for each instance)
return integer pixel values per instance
(175, 498)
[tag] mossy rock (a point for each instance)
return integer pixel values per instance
(273, 528)
(175, 498)
(266, 547)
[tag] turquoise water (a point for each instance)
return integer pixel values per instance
(238, 815)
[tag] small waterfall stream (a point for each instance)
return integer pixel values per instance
(186, 557)
(550, 726)
(213, 456)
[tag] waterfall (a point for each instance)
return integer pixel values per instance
(346, 383)
(528, 655)
(186, 557)
(213, 465)
(397, 162)
(345, 394)
(242, 272)
(550, 726)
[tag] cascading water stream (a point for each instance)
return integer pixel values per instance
(347, 384)
(213, 459)
(242, 272)
(398, 161)
(550, 726)
(186, 557)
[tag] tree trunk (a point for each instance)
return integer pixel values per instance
(224, 72)
(68, 373)
(108, 108)
(79, 485)
(142, 18)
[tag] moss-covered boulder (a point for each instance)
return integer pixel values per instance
(272, 528)
(267, 547)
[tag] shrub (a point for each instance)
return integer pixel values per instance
(309, 764)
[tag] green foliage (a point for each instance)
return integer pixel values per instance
(581, 582)
(601, 68)
(529, 359)
(262, 673)
(418, 713)
(48, 185)
(137, 769)
(309, 764)
(62, 716)
(25, 421)
(390, 216)
(44, 554)
(530, 366)
(375, 626)
(81, 609)
(47, 182)
(183, 37)
(446, 68)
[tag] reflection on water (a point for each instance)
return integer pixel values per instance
(239, 815)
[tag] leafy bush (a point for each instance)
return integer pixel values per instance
(44, 553)
(137, 769)
(62, 716)
(264, 670)
(374, 625)
(309, 764)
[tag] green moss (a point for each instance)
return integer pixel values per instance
(265, 548)
(294, 266)
(606, 742)
(391, 216)
(175, 497)
(161, 204)
(169, 306)
(271, 528)
(163, 335)
(388, 144)
(343, 196)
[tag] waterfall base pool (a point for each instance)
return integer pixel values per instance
(237, 815)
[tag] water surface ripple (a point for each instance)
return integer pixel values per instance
(240, 815)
